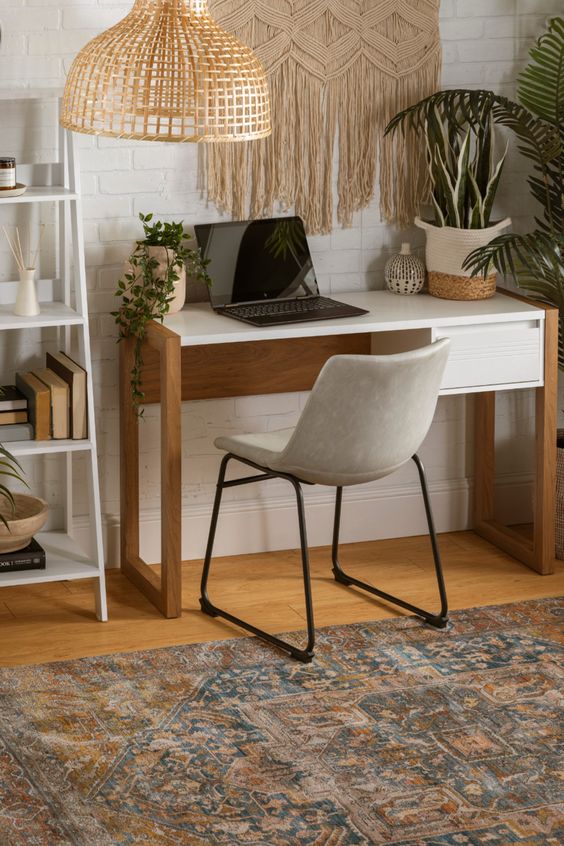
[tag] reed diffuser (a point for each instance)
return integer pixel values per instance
(26, 299)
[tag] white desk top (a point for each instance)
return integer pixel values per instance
(198, 324)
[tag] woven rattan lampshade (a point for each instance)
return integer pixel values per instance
(167, 72)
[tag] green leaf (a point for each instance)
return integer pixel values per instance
(540, 86)
(492, 188)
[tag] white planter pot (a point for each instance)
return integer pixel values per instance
(446, 250)
(160, 254)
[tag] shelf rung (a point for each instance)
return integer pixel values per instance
(41, 194)
(51, 447)
(52, 314)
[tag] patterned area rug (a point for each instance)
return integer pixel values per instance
(397, 733)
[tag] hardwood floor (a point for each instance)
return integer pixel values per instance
(56, 621)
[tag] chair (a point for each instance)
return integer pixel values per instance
(366, 416)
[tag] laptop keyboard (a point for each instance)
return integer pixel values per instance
(282, 307)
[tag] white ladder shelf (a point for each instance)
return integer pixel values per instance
(64, 305)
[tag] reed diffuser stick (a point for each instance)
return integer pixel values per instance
(20, 251)
(17, 252)
(36, 254)
(13, 248)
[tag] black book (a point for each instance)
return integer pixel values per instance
(32, 557)
(12, 399)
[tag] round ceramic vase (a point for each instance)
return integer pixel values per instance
(404, 272)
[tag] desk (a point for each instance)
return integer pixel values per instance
(507, 342)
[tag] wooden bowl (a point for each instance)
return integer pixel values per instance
(29, 518)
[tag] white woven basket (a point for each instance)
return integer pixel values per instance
(447, 247)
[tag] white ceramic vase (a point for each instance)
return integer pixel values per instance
(26, 298)
(404, 272)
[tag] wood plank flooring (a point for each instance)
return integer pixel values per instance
(56, 621)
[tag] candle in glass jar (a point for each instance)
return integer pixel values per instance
(7, 173)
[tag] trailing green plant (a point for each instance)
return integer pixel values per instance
(535, 260)
(145, 294)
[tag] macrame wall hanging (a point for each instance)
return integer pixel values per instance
(338, 71)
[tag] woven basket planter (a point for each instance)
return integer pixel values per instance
(446, 250)
(560, 495)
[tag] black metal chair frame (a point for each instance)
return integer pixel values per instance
(306, 654)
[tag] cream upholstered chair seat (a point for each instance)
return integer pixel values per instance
(366, 416)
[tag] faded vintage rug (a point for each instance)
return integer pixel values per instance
(396, 734)
(338, 71)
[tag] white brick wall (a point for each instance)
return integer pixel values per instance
(485, 43)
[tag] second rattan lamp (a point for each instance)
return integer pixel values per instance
(167, 72)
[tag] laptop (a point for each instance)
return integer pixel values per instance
(262, 273)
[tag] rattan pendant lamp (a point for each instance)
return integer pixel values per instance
(167, 72)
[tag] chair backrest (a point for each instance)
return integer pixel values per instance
(366, 416)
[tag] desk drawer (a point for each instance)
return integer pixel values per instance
(494, 354)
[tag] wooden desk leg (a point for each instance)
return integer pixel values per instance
(484, 457)
(129, 460)
(546, 414)
(537, 554)
(163, 591)
(171, 462)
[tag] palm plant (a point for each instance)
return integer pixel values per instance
(534, 260)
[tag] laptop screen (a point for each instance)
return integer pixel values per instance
(257, 260)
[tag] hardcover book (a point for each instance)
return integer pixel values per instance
(32, 557)
(60, 395)
(10, 417)
(39, 402)
(75, 377)
(12, 399)
(17, 432)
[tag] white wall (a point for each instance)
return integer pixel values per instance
(485, 43)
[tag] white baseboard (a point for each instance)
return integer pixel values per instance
(369, 513)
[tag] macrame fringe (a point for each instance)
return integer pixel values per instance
(323, 123)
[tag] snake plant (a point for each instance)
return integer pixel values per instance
(459, 132)
(463, 171)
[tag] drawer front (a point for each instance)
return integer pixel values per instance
(493, 354)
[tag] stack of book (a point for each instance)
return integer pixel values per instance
(14, 415)
(30, 558)
(46, 403)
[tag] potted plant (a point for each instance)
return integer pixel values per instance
(464, 175)
(154, 285)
